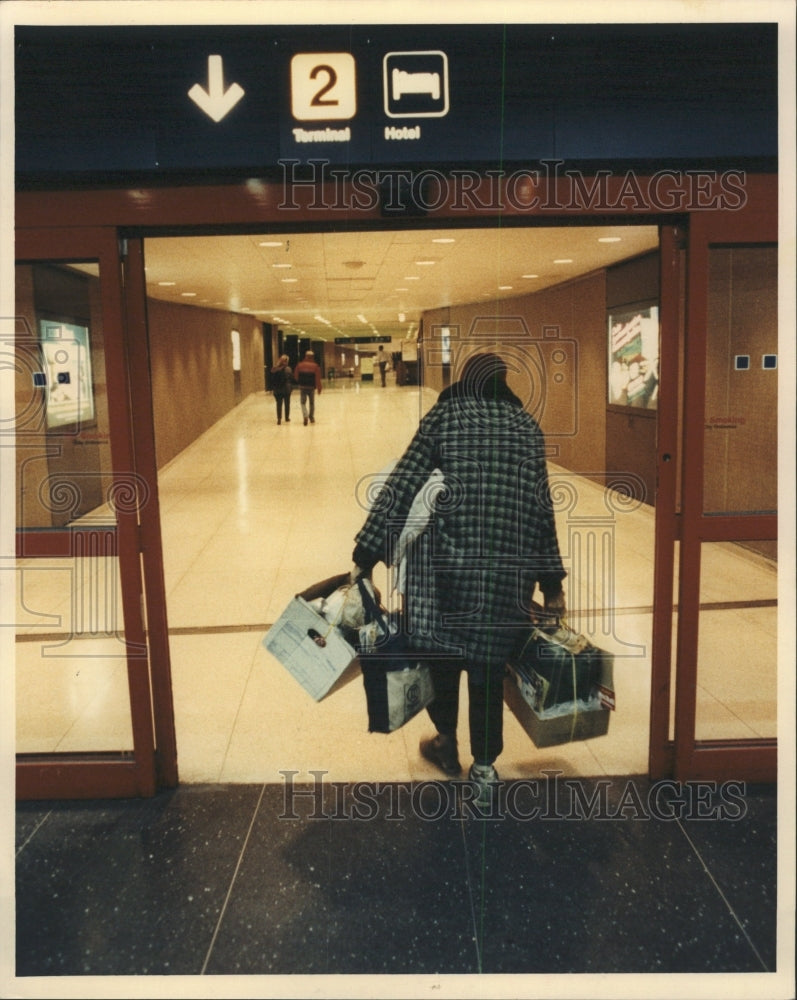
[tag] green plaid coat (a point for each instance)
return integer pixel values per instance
(491, 538)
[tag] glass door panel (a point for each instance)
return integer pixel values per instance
(84, 723)
(726, 704)
(740, 446)
(737, 644)
(71, 655)
(737, 653)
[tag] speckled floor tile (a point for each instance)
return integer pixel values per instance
(594, 876)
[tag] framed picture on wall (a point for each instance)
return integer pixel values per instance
(633, 339)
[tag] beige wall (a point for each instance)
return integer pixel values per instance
(193, 383)
(558, 338)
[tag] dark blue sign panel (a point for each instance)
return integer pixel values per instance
(161, 100)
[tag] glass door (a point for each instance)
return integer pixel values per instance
(84, 712)
(726, 646)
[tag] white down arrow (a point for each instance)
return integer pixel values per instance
(216, 102)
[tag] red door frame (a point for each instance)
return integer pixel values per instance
(753, 759)
(677, 520)
(113, 773)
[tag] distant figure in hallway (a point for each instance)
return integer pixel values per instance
(308, 377)
(381, 360)
(281, 386)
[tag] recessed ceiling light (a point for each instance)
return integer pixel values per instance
(529, 276)
(270, 243)
(443, 239)
(563, 260)
(289, 281)
(167, 284)
(609, 239)
(425, 263)
(188, 295)
(411, 277)
(504, 288)
(282, 265)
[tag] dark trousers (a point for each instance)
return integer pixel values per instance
(307, 399)
(485, 708)
(283, 399)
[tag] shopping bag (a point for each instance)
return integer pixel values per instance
(397, 684)
(560, 686)
(312, 639)
(564, 664)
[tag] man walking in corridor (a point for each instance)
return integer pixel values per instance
(308, 376)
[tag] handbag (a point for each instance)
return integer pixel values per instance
(397, 685)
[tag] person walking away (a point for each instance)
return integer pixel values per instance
(308, 378)
(472, 572)
(281, 387)
(381, 360)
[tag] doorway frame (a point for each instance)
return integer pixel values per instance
(106, 774)
(190, 209)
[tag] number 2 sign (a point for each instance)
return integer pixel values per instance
(323, 86)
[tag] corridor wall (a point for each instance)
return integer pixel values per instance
(571, 404)
(191, 359)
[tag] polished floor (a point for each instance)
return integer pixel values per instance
(299, 845)
(254, 512)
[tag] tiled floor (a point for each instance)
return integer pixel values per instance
(398, 880)
(253, 512)
(379, 871)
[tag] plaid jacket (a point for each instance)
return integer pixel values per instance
(491, 537)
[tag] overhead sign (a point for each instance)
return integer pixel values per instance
(363, 340)
(415, 84)
(217, 100)
(162, 99)
(323, 86)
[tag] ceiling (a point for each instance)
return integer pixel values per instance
(330, 284)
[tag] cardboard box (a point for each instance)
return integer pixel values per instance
(564, 723)
(314, 651)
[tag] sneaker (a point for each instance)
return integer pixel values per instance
(305, 421)
(442, 752)
(485, 778)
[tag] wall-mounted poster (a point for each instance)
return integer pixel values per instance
(634, 356)
(67, 373)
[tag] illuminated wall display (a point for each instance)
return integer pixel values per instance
(634, 357)
(66, 378)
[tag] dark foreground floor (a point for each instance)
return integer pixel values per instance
(588, 876)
